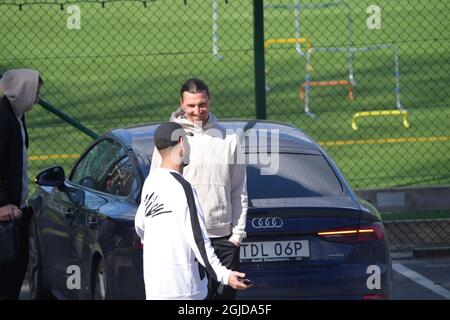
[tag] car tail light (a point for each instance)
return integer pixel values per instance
(364, 233)
(374, 297)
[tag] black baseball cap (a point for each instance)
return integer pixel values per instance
(168, 135)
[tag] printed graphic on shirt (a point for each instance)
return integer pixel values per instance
(152, 207)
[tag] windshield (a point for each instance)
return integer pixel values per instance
(298, 176)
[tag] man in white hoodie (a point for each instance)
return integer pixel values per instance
(216, 174)
(170, 222)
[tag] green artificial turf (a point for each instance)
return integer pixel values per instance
(126, 64)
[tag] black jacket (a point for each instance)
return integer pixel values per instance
(11, 154)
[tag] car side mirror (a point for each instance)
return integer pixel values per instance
(51, 177)
(55, 177)
(75, 195)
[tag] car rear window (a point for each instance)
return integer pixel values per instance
(298, 176)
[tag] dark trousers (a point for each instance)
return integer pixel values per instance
(228, 255)
(12, 274)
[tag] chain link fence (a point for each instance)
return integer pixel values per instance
(119, 63)
(374, 88)
(369, 80)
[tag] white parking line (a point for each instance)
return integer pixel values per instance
(416, 277)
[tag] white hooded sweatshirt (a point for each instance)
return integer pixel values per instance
(219, 178)
(171, 225)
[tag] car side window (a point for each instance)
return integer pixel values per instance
(119, 178)
(98, 158)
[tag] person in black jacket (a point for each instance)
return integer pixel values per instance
(20, 88)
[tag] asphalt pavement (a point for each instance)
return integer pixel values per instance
(414, 278)
(421, 278)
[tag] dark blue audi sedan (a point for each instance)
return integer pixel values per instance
(308, 235)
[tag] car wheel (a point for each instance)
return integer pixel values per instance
(99, 287)
(38, 290)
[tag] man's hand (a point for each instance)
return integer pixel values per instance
(233, 281)
(9, 212)
(237, 244)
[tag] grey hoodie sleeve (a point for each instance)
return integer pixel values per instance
(239, 199)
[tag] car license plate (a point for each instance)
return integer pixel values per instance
(270, 251)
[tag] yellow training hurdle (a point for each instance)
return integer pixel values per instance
(304, 40)
(402, 113)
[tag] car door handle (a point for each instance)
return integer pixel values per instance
(69, 212)
(92, 222)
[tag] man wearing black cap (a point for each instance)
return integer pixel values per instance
(170, 223)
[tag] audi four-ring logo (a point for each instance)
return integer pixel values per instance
(270, 222)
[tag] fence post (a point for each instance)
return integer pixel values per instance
(258, 47)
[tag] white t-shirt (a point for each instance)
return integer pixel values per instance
(171, 224)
